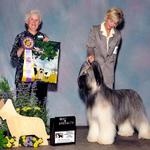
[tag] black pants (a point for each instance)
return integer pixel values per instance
(41, 92)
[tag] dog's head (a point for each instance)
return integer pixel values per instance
(90, 77)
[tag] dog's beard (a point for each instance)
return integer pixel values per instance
(84, 87)
(84, 84)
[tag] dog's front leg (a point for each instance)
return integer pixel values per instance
(93, 128)
(93, 131)
(107, 134)
(107, 126)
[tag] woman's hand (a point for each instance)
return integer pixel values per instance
(90, 58)
(46, 39)
(20, 51)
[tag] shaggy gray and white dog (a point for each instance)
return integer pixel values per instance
(107, 108)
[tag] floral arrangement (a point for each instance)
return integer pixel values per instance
(30, 141)
(10, 142)
(28, 107)
(27, 141)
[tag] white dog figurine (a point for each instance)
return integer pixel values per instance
(107, 108)
(22, 125)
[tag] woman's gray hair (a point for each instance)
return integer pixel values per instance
(31, 12)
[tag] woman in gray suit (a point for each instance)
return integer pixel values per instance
(103, 43)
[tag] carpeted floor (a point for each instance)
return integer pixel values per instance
(121, 143)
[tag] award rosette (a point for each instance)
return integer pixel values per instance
(28, 66)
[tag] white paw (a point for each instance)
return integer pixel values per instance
(126, 133)
(91, 139)
(105, 142)
(144, 136)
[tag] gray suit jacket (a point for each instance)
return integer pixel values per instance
(97, 45)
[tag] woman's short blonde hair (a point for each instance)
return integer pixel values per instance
(31, 12)
(116, 14)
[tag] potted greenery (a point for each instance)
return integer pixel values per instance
(26, 107)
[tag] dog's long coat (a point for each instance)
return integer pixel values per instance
(107, 108)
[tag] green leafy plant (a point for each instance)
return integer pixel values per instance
(4, 128)
(4, 85)
(3, 141)
(5, 90)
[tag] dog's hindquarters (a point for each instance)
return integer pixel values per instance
(139, 117)
(132, 115)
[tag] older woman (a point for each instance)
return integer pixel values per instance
(33, 22)
(103, 44)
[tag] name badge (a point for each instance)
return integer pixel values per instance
(115, 50)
